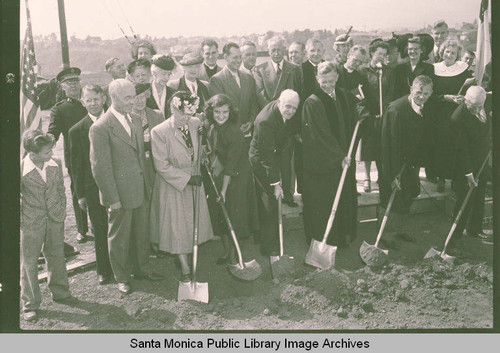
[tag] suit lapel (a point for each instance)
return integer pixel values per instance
(272, 78)
(232, 82)
(285, 70)
(119, 131)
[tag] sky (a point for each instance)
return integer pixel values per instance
(167, 18)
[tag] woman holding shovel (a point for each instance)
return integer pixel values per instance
(175, 146)
(229, 164)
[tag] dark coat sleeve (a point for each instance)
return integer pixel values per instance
(268, 151)
(321, 151)
(77, 165)
(391, 151)
(462, 148)
(55, 124)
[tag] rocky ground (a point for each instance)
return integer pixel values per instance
(407, 293)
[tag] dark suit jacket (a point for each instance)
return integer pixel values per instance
(63, 116)
(405, 77)
(80, 160)
(244, 98)
(271, 137)
(118, 162)
(151, 102)
(270, 86)
(204, 75)
(202, 92)
(309, 79)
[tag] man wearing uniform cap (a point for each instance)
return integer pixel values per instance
(343, 43)
(191, 65)
(161, 70)
(63, 116)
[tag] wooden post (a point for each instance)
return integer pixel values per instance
(64, 34)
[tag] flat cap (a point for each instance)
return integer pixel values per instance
(164, 62)
(71, 73)
(110, 63)
(191, 59)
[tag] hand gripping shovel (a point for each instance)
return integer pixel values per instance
(247, 271)
(194, 290)
(320, 254)
(372, 255)
(448, 258)
(281, 265)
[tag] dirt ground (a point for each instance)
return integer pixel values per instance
(407, 293)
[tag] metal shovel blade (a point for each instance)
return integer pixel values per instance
(250, 270)
(321, 255)
(432, 253)
(448, 258)
(282, 266)
(372, 255)
(193, 290)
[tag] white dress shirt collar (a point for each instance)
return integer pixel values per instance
(415, 107)
(160, 101)
(122, 119)
(275, 66)
(29, 166)
(94, 118)
(244, 69)
(235, 75)
(192, 85)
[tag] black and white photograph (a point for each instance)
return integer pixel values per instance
(255, 165)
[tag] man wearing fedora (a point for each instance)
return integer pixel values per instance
(63, 116)
(191, 65)
(161, 69)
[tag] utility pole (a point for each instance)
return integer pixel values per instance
(64, 34)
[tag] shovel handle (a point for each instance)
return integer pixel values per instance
(280, 225)
(380, 92)
(464, 204)
(388, 208)
(196, 213)
(220, 201)
(336, 201)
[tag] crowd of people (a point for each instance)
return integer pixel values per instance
(141, 151)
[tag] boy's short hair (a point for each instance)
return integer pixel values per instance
(35, 140)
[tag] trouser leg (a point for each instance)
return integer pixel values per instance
(119, 232)
(139, 246)
(286, 172)
(80, 215)
(475, 224)
(53, 251)
(99, 220)
(31, 245)
(268, 215)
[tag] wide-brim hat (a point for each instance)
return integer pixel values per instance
(191, 59)
(141, 88)
(70, 73)
(164, 62)
(402, 43)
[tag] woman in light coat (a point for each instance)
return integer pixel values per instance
(175, 153)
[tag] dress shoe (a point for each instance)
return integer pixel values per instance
(291, 203)
(124, 288)
(480, 235)
(80, 238)
(367, 185)
(488, 240)
(66, 301)
(440, 185)
(30, 315)
(103, 279)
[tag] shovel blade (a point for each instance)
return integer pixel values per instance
(432, 253)
(372, 255)
(197, 291)
(282, 266)
(448, 258)
(250, 270)
(321, 255)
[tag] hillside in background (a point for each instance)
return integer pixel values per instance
(91, 53)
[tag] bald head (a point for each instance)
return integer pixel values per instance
(476, 95)
(122, 93)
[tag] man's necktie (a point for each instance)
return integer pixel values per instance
(278, 71)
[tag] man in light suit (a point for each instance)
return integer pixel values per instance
(191, 64)
(117, 160)
(272, 78)
(238, 86)
(85, 187)
(210, 54)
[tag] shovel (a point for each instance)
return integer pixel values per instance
(320, 254)
(193, 290)
(281, 265)
(372, 255)
(448, 258)
(247, 271)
